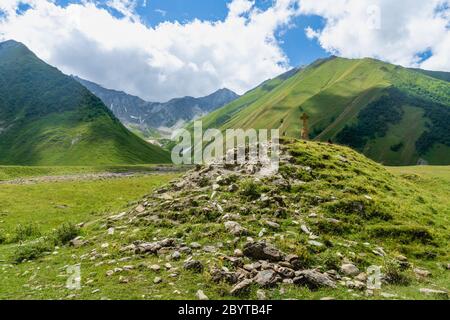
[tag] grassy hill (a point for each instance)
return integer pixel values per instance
(392, 114)
(328, 207)
(47, 118)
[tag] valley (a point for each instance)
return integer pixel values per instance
(356, 211)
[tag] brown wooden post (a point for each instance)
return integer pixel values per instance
(305, 129)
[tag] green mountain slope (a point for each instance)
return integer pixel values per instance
(47, 118)
(394, 115)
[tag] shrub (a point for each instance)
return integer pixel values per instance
(31, 251)
(403, 234)
(250, 189)
(393, 273)
(24, 232)
(65, 233)
(2, 237)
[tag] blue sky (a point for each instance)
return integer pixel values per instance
(172, 48)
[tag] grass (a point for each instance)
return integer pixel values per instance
(333, 92)
(23, 172)
(48, 118)
(407, 202)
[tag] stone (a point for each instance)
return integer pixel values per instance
(315, 243)
(272, 225)
(421, 273)
(434, 292)
(111, 231)
(176, 255)
(261, 295)
(241, 287)
(157, 280)
(193, 265)
(238, 253)
(218, 275)
(362, 277)
(195, 245)
(313, 279)
(201, 295)
(349, 269)
(267, 278)
(286, 272)
(77, 242)
(235, 228)
(155, 267)
(140, 208)
(233, 188)
(109, 273)
(262, 251)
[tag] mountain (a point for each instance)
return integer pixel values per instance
(394, 115)
(132, 110)
(47, 118)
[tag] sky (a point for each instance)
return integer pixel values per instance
(162, 49)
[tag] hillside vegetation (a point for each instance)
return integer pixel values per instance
(394, 115)
(311, 231)
(47, 118)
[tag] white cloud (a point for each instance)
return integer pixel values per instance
(166, 61)
(395, 31)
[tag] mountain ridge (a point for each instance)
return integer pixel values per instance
(133, 110)
(50, 119)
(338, 94)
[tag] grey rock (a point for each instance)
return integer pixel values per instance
(349, 269)
(235, 228)
(313, 279)
(193, 265)
(262, 251)
(219, 275)
(201, 295)
(241, 287)
(267, 278)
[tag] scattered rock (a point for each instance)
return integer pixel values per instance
(238, 253)
(201, 295)
(433, 292)
(261, 295)
(193, 265)
(267, 278)
(241, 287)
(262, 251)
(422, 273)
(219, 275)
(157, 280)
(155, 267)
(176, 255)
(313, 279)
(235, 228)
(349, 269)
(315, 243)
(272, 225)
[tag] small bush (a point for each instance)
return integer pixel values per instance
(403, 234)
(2, 237)
(250, 189)
(393, 274)
(31, 251)
(65, 233)
(24, 232)
(330, 260)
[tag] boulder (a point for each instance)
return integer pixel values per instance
(267, 278)
(262, 251)
(350, 269)
(313, 279)
(235, 228)
(193, 265)
(241, 287)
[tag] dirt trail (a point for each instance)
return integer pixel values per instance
(91, 176)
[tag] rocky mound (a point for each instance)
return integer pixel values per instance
(325, 220)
